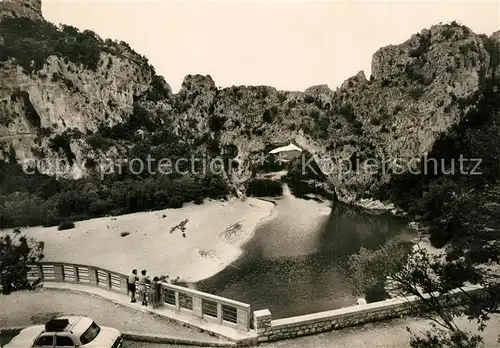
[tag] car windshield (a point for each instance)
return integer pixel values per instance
(91, 333)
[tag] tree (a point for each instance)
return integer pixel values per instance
(471, 257)
(369, 269)
(16, 253)
(438, 281)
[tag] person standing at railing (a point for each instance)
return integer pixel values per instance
(143, 280)
(132, 278)
(154, 292)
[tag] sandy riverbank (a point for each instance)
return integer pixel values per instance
(214, 233)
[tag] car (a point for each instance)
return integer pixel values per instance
(68, 331)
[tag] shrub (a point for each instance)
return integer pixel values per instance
(98, 142)
(231, 151)
(62, 142)
(386, 82)
(176, 202)
(281, 97)
(157, 89)
(423, 46)
(376, 293)
(357, 125)
(438, 236)
(216, 123)
(397, 109)
(264, 188)
(309, 99)
(214, 147)
(347, 110)
(90, 163)
(314, 114)
(267, 117)
(66, 225)
(198, 200)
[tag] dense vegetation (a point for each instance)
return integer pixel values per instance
(30, 43)
(28, 200)
(264, 188)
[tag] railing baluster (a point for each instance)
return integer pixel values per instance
(75, 272)
(199, 304)
(219, 312)
(177, 302)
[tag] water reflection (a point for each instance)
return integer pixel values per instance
(295, 263)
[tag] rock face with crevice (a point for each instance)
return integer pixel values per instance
(418, 91)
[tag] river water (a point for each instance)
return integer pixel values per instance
(296, 262)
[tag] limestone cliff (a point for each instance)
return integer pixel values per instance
(45, 92)
(418, 91)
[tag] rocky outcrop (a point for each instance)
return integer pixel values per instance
(64, 94)
(418, 91)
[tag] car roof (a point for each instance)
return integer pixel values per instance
(26, 337)
(78, 324)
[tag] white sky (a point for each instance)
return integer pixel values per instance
(290, 45)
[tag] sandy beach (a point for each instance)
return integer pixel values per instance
(193, 243)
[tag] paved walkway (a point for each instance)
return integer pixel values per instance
(28, 308)
(35, 307)
(227, 333)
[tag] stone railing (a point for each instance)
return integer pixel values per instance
(274, 330)
(199, 304)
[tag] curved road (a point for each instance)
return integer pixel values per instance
(30, 308)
